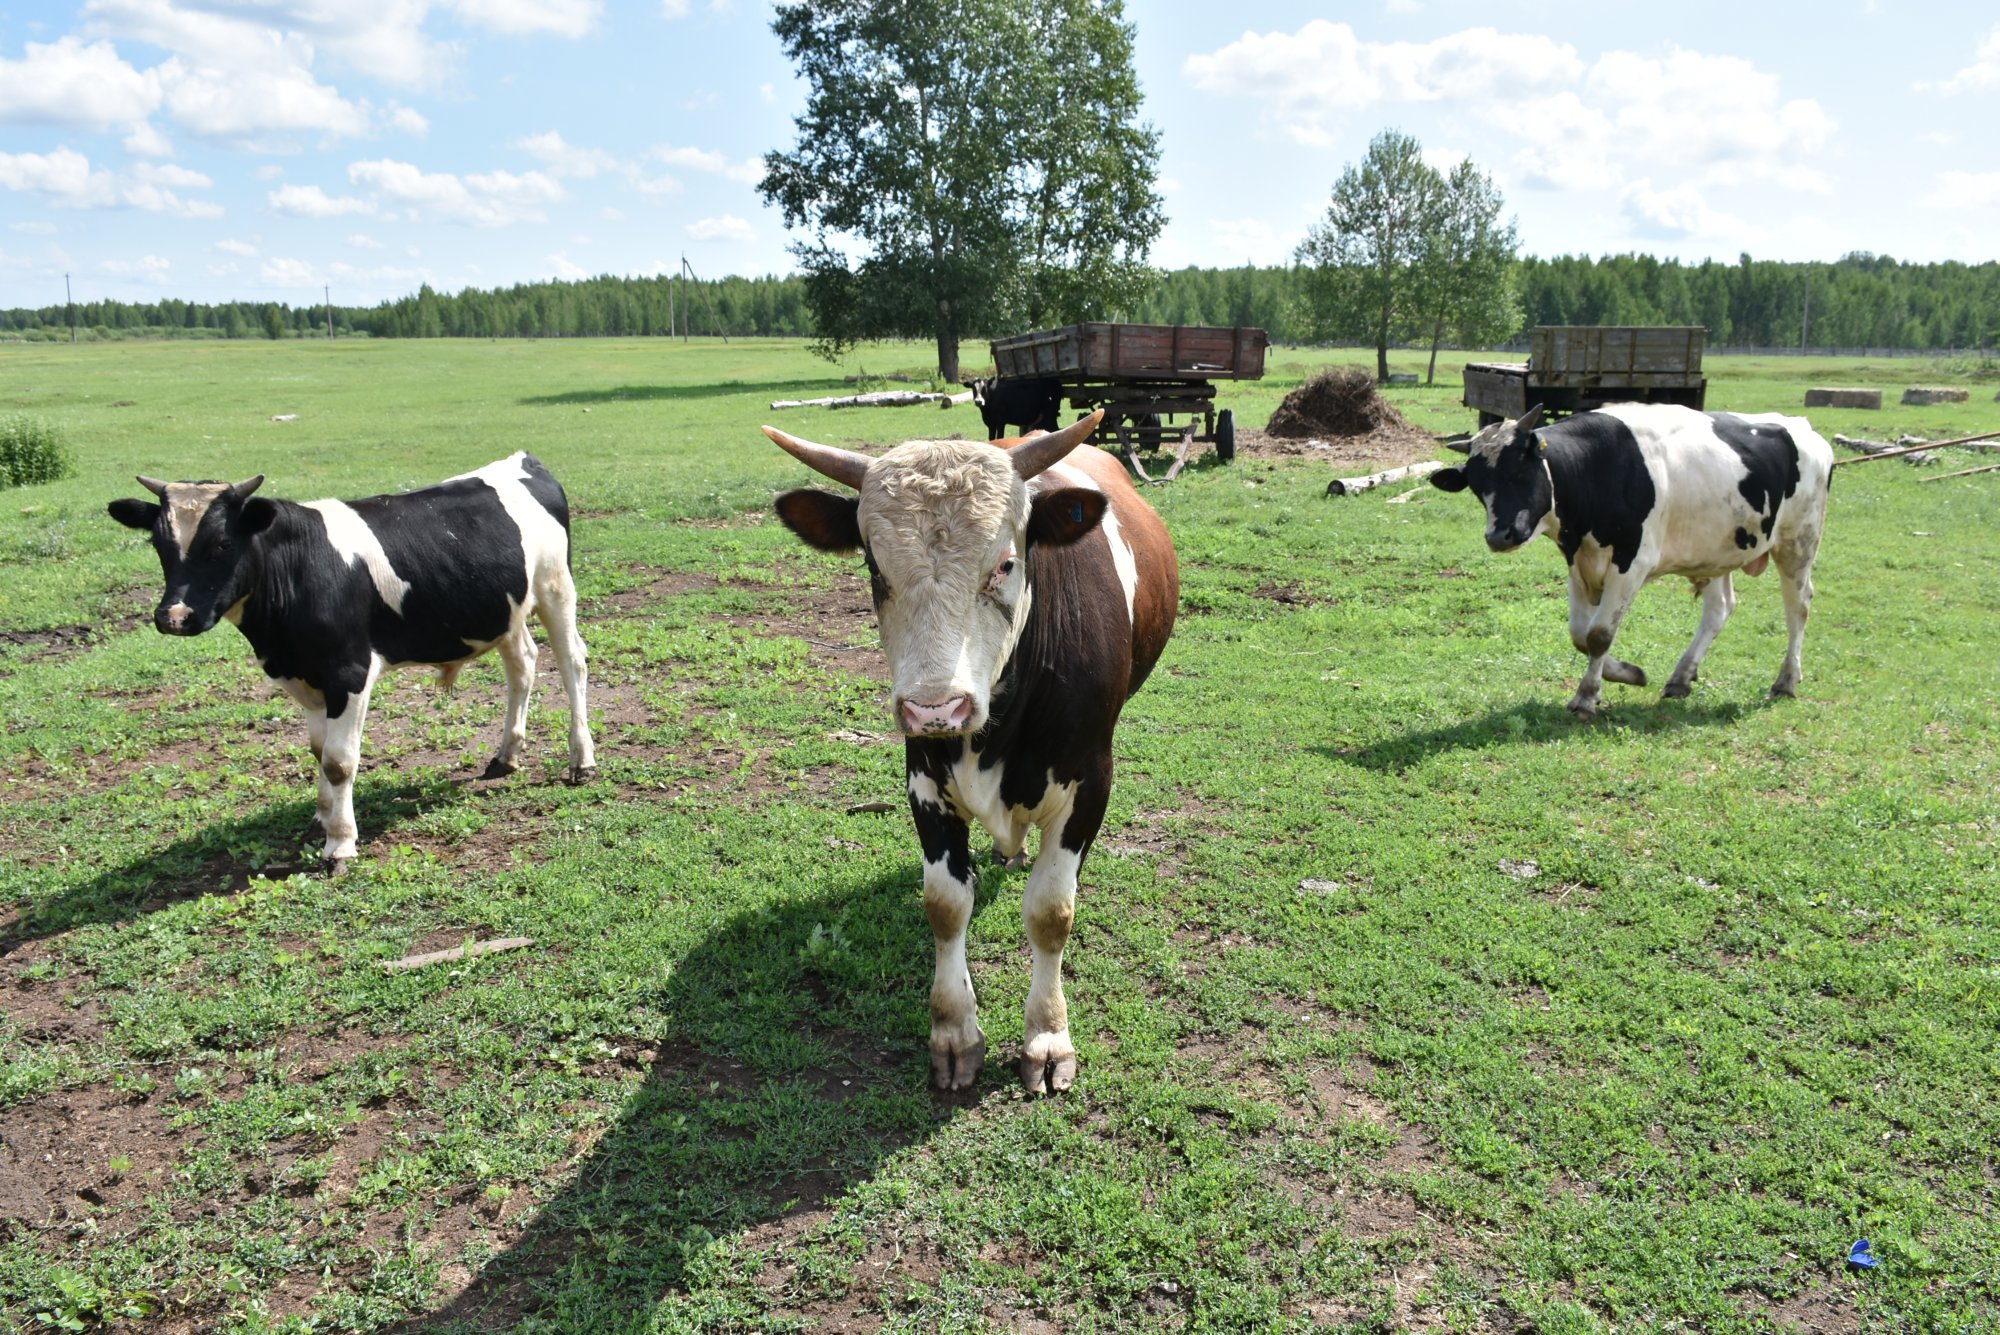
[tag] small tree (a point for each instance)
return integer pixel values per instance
(1466, 278)
(1363, 268)
(982, 159)
(272, 320)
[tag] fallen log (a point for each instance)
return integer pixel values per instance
(1963, 472)
(1874, 447)
(464, 952)
(887, 398)
(1348, 486)
(1970, 441)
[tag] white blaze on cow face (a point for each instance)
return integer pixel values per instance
(944, 524)
(187, 504)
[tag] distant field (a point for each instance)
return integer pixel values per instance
(1404, 1000)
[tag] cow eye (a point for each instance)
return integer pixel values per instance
(1000, 574)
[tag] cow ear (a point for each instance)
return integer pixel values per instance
(1449, 479)
(135, 514)
(821, 519)
(1058, 518)
(258, 514)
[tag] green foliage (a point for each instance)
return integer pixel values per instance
(988, 156)
(32, 451)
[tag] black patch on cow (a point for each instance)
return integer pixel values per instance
(1603, 491)
(1745, 538)
(548, 492)
(1770, 459)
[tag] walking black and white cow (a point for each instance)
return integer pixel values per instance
(1634, 491)
(1024, 593)
(1032, 405)
(330, 593)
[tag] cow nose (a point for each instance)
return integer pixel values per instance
(172, 620)
(1503, 542)
(947, 715)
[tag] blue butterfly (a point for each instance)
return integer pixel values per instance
(1860, 1255)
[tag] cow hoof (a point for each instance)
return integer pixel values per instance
(338, 867)
(1677, 690)
(583, 774)
(1784, 690)
(498, 768)
(957, 1067)
(1583, 709)
(1048, 1075)
(1625, 674)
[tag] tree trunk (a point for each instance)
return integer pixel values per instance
(1437, 333)
(947, 344)
(1382, 348)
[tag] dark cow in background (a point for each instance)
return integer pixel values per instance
(1023, 596)
(1634, 491)
(329, 593)
(1032, 405)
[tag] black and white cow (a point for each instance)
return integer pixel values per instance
(1024, 593)
(329, 593)
(1032, 405)
(1634, 491)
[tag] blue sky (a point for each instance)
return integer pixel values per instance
(263, 149)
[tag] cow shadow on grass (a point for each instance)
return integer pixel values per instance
(225, 856)
(1538, 721)
(671, 393)
(787, 1061)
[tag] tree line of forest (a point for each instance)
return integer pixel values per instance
(1859, 301)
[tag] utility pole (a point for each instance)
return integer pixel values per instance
(688, 269)
(71, 302)
(1805, 316)
(327, 292)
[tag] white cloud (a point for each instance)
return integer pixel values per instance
(1309, 77)
(363, 241)
(147, 268)
(254, 106)
(170, 175)
(612, 215)
(490, 199)
(658, 185)
(146, 141)
(409, 120)
(381, 38)
(565, 159)
(1677, 213)
(674, 9)
(68, 179)
(1965, 190)
(233, 247)
(768, 92)
(746, 171)
(728, 227)
(563, 267)
(70, 83)
(309, 201)
(270, 171)
(1250, 239)
(1982, 73)
(290, 273)
(33, 228)
(564, 18)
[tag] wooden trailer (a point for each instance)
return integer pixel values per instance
(1143, 376)
(1572, 368)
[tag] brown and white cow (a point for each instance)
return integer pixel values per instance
(1024, 593)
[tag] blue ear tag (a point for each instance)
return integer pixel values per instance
(1076, 512)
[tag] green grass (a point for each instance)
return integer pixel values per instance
(1404, 1000)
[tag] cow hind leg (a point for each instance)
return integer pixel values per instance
(517, 656)
(556, 606)
(1795, 579)
(1718, 600)
(1599, 627)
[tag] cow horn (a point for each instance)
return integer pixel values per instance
(846, 467)
(1529, 419)
(1036, 453)
(243, 489)
(154, 485)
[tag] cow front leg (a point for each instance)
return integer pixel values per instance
(1048, 908)
(1599, 627)
(1718, 600)
(1796, 580)
(517, 656)
(958, 1047)
(312, 703)
(340, 761)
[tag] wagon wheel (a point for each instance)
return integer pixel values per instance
(1225, 434)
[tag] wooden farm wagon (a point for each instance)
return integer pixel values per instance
(1572, 368)
(1142, 376)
